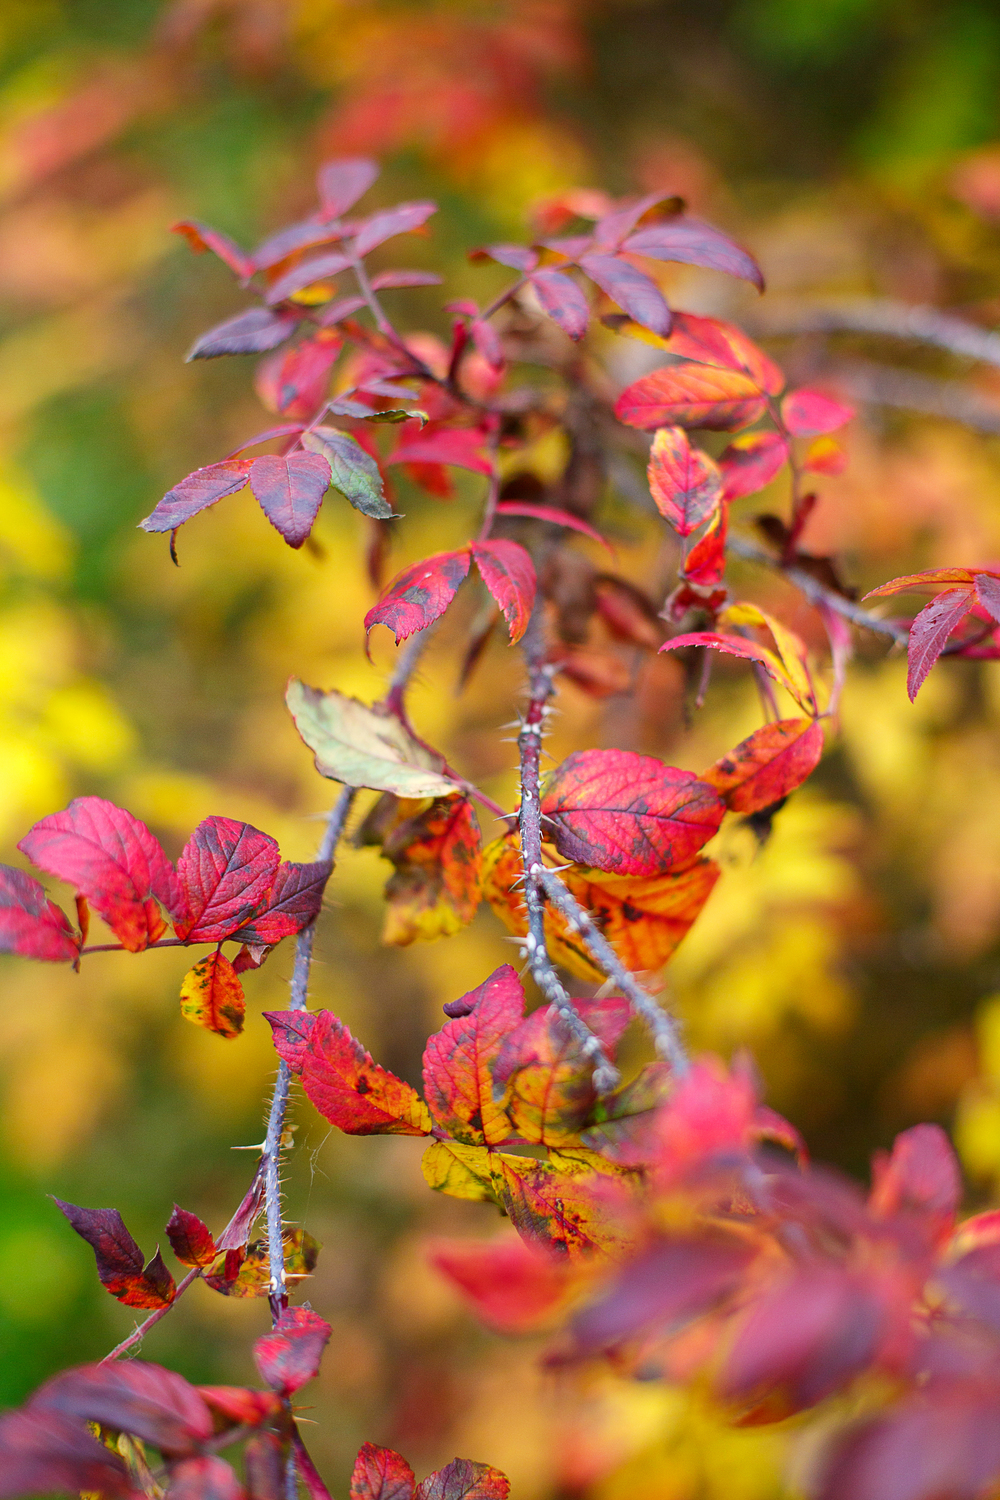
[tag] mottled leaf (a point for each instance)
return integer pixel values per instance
(420, 594)
(290, 489)
(119, 1259)
(458, 1082)
(509, 574)
(212, 996)
(363, 746)
(354, 472)
(435, 890)
(769, 764)
(252, 1269)
(293, 901)
(32, 925)
(691, 395)
(381, 1474)
(464, 1480)
(684, 482)
(543, 1075)
(226, 870)
(190, 1239)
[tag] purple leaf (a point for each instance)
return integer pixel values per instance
(383, 226)
(341, 183)
(290, 490)
(517, 257)
(563, 300)
(197, 492)
(131, 1396)
(308, 235)
(305, 274)
(389, 280)
(929, 634)
(250, 332)
(631, 289)
(613, 228)
(695, 243)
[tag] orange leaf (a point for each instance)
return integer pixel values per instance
(458, 1081)
(435, 890)
(692, 395)
(542, 1069)
(767, 765)
(212, 996)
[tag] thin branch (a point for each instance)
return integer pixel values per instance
(138, 1334)
(503, 298)
(662, 1026)
(530, 822)
(880, 316)
(817, 592)
(493, 494)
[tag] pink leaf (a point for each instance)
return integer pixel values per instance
(307, 235)
(509, 574)
(290, 490)
(131, 1396)
(563, 301)
(30, 924)
(929, 634)
(632, 289)
(251, 332)
(460, 446)
(517, 257)
(684, 481)
(290, 1355)
(341, 183)
(384, 226)
(227, 870)
(613, 227)
(695, 243)
(283, 429)
(202, 237)
(293, 901)
(988, 593)
(208, 1478)
(42, 1451)
(420, 594)
(751, 462)
(809, 413)
(387, 281)
(554, 516)
(306, 273)
(113, 860)
(198, 491)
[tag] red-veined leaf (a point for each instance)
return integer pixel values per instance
(554, 516)
(381, 1474)
(461, 447)
(811, 414)
(342, 1081)
(458, 1082)
(290, 1354)
(198, 491)
(202, 237)
(42, 1451)
(716, 342)
(190, 1239)
(750, 462)
(342, 182)
(767, 765)
(113, 860)
(296, 381)
(705, 564)
(251, 332)
(929, 634)
(383, 226)
(694, 243)
(684, 481)
(30, 924)
(212, 996)
(464, 1480)
(930, 580)
(544, 1075)
(691, 395)
(293, 901)
(289, 489)
(119, 1259)
(628, 814)
(420, 594)
(563, 301)
(306, 273)
(226, 870)
(631, 288)
(208, 1478)
(509, 574)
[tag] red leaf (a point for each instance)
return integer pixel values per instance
(113, 860)
(237, 1231)
(264, 1466)
(294, 901)
(732, 645)
(290, 490)
(392, 221)
(825, 456)
(920, 1177)
(251, 332)
(197, 492)
(190, 1239)
(811, 414)
(202, 237)
(464, 1480)
(119, 1259)
(715, 342)
(458, 1082)
(227, 870)
(769, 764)
(684, 481)
(705, 564)
(290, 1355)
(462, 447)
(930, 631)
(381, 1474)
(342, 1081)
(131, 1396)
(691, 395)
(204, 1479)
(342, 182)
(297, 381)
(628, 814)
(32, 925)
(512, 1285)
(544, 1076)
(420, 594)
(554, 516)
(509, 574)
(563, 301)
(306, 273)
(988, 593)
(42, 1451)
(212, 996)
(632, 289)
(750, 462)
(695, 243)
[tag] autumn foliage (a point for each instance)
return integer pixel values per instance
(666, 1220)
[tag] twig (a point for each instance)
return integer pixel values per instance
(530, 822)
(817, 592)
(138, 1334)
(662, 1026)
(881, 316)
(493, 494)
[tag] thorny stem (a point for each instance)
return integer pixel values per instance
(138, 1334)
(530, 823)
(271, 1159)
(662, 1026)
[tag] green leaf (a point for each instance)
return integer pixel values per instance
(364, 746)
(355, 473)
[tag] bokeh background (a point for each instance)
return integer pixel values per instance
(855, 145)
